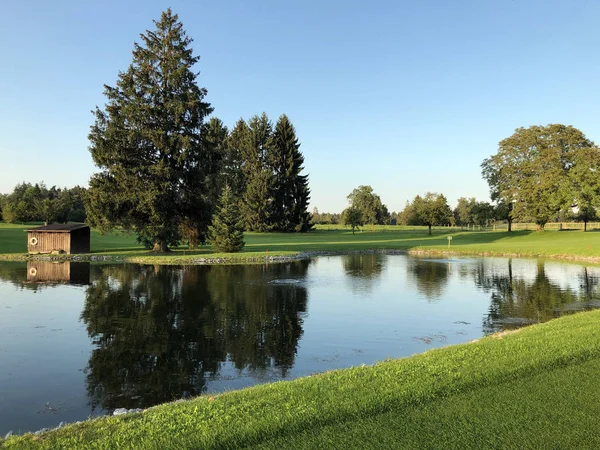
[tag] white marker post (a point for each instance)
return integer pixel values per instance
(449, 240)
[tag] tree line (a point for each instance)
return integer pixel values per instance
(38, 203)
(539, 174)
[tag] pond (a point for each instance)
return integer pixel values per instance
(79, 340)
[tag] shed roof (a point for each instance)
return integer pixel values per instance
(60, 227)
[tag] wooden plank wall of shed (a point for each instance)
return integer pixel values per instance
(47, 242)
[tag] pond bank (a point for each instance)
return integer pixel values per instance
(526, 389)
(274, 257)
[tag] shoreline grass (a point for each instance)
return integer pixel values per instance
(270, 247)
(502, 391)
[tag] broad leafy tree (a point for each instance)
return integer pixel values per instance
(430, 210)
(353, 218)
(369, 204)
(226, 233)
(584, 178)
(529, 171)
(463, 213)
(147, 142)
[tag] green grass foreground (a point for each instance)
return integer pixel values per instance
(558, 244)
(534, 388)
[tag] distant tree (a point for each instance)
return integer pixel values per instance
(406, 215)
(290, 190)
(463, 213)
(430, 210)
(147, 141)
(369, 204)
(3, 199)
(584, 182)
(226, 233)
(482, 213)
(316, 217)
(529, 171)
(353, 218)
(76, 202)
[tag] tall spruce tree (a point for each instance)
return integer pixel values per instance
(289, 189)
(256, 207)
(226, 233)
(147, 141)
(232, 172)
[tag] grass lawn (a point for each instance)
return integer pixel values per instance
(534, 388)
(571, 244)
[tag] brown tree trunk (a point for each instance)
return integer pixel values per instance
(160, 247)
(429, 230)
(509, 225)
(584, 226)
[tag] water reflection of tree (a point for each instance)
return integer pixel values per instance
(15, 273)
(363, 270)
(161, 332)
(430, 277)
(516, 302)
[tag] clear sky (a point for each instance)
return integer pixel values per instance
(406, 96)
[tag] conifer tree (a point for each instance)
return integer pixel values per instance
(256, 207)
(290, 189)
(226, 233)
(147, 142)
(232, 172)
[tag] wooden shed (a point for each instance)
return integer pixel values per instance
(59, 238)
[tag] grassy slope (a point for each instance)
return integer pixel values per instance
(573, 244)
(535, 388)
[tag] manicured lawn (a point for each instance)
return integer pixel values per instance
(535, 388)
(572, 244)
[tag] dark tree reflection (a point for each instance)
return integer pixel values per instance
(430, 277)
(363, 270)
(161, 332)
(516, 302)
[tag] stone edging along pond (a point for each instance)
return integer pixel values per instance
(240, 259)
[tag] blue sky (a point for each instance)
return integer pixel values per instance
(406, 96)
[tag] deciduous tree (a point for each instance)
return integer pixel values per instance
(353, 218)
(369, 204)
(529, 171)
(430, 210)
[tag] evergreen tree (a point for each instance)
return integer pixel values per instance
(290, 189)
(194, 226)
(147, 141)
(256, 207)
(226, 232)
(232, 172)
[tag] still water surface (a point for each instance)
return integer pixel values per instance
(79, 340)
